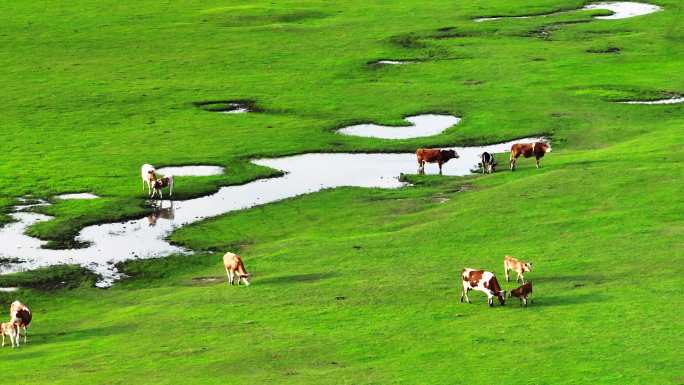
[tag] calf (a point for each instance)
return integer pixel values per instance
(522, 292)
(488, 163)
(21, 316)
(159, 184)
(536, 149)
(148, 175)
(519, 267)
(235, 268)
(12, 331)
(484, 281)
(433, 155)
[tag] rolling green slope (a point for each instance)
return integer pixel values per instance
(352, 286)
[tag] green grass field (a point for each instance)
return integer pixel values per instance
(351, 286)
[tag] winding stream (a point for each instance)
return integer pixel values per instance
(145, 237)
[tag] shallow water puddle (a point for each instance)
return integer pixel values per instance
(393, 62)
(191, 170)
(421, 125)
(145, 237)
(623, 9)
(620, 9)
(77, 196)
(661, 101)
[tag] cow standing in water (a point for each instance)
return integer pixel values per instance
(433, 155)
(484, 281)
(536, 149)
(235, 268)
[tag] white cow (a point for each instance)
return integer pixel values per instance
(148, 175)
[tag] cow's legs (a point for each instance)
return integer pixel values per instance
(440, 167)
(538, 164)
(506, 273)
(512, 164)
(228, 276)
(465, 294)
(490, 299)
(3, 339)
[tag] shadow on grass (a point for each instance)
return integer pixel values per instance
(562, 300)
(83, 334)
(295, 278)
(578, 280)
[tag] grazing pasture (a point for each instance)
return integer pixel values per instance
(350, 285)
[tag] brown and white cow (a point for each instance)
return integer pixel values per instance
(235, 268)
(484, 281)
(433, 155)
(21, 316)
(159, 184)
(522, 292)
(536, 149)
(12, 331)
(519, 267)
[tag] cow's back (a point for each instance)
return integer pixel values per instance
(427, 154)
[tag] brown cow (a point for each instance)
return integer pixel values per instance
(522, 292)
(484, 281)
(519, 267)
(433, 155)
(234, 267)
(536, 149)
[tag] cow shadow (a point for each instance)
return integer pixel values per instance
(82, 334)
(295, 278)
(568, 279)
(561, 300)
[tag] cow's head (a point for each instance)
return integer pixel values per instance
(543, 146)
(449, 154)
(244, 278)
(527, 266)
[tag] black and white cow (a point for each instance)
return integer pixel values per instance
(488, 163)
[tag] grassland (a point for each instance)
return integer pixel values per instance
(352, 286)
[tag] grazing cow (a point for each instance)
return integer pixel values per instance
(159, 184)
(484, 281)
(148, 175)
(21, 316)
(536, 149)
(519, 267)
(434, 155)
(234, 267)
(488, 163)
(522, 292)
(12, 331)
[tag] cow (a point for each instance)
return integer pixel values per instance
(159, 184)
(484, 281)
(148, 175)
(519, 267)
(21, 316)
(522, 292)
(488, 163)
(536, 149)
(235, 268)
(433, 155)
(12, 331)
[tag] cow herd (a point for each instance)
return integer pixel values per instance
(486, 282)
(487, 160)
